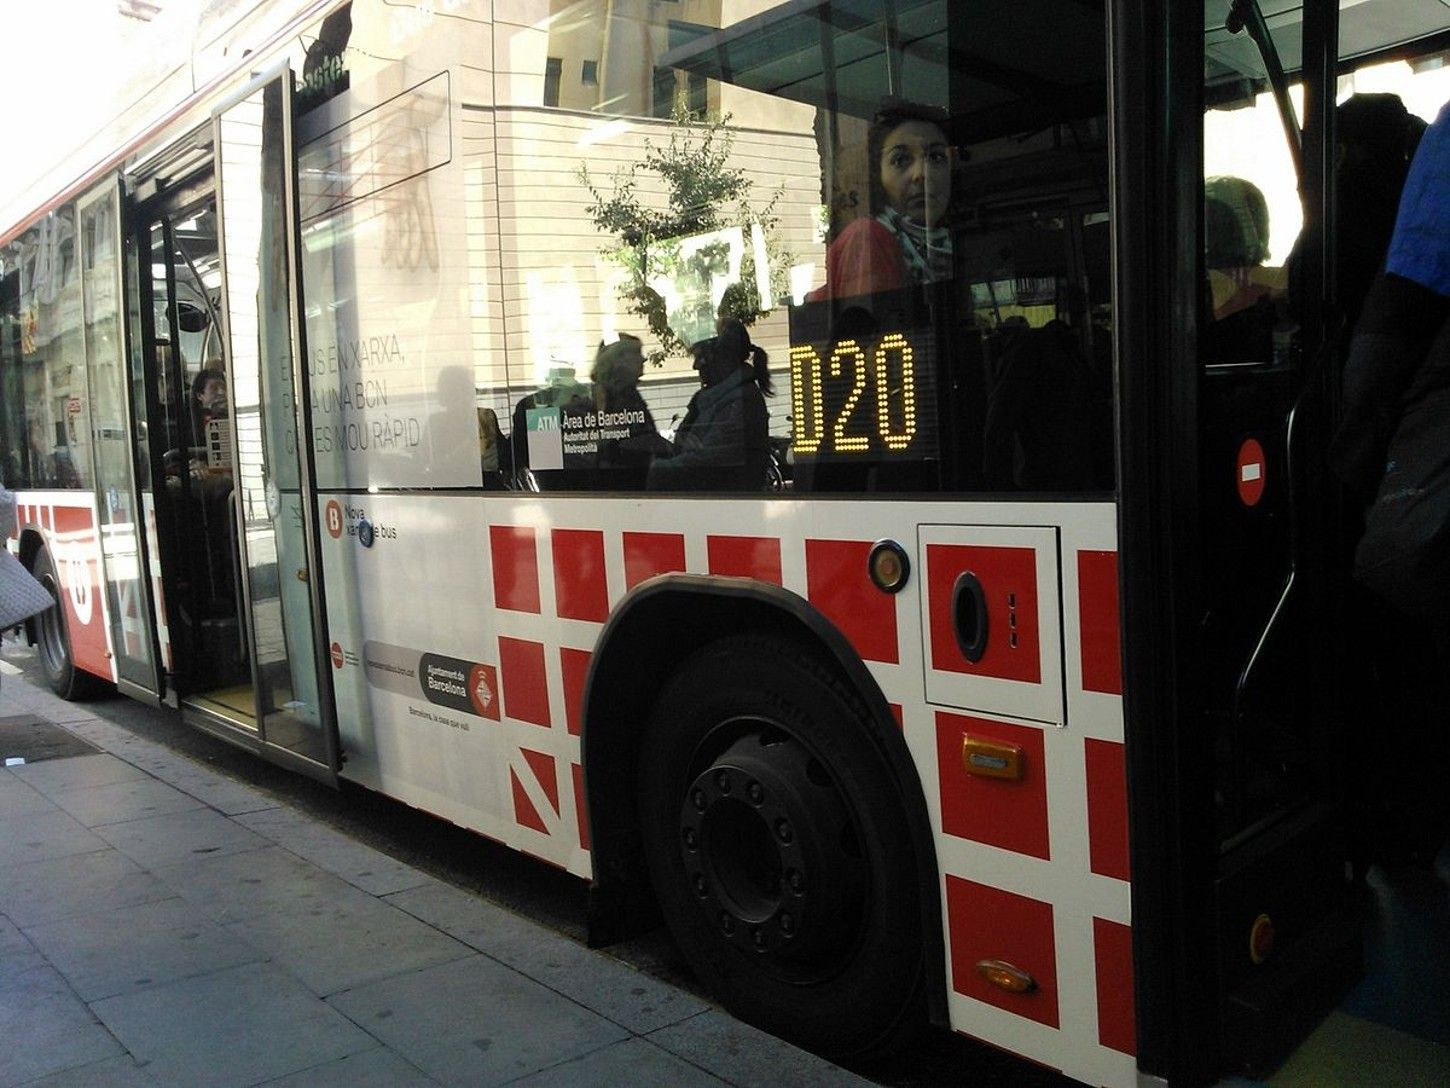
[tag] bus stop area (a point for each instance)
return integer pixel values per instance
(161, 924)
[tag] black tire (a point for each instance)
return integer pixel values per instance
(52, 636)
(778, 846)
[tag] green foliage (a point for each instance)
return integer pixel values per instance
(704, 193)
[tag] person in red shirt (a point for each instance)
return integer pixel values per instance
(906, 241)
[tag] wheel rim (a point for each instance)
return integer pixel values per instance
(772, 854)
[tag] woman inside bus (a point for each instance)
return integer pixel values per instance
(723, 443)
(906, 241)
(628, 437)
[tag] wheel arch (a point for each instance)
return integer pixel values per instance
(656, 627)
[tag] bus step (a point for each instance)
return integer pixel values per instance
(1269, 1015)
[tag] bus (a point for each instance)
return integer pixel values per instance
(377, 386)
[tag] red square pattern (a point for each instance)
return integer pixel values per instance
(580, 586)
(525, 814)
(515, 568)
(1107, 785)
(1113, 957)
(575, 666)
(1097, 601)
(996, 811)
(990, 924)
(649, 554)
(755, 557)
(581, 808)
(525, 685)
(1009, 584)
(838, 584)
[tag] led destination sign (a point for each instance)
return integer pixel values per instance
(870, 397)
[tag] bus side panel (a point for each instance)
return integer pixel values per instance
(66, 521)
(461, 631)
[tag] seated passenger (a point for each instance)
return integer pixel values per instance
(628, 437)
(906, 240)
(724, 442)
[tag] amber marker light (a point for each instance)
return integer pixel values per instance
(888, 566)
(1261, 939)
(1006, 977)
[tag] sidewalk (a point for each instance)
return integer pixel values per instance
(163, 925)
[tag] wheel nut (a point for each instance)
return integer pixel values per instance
(722, 781)
(698, 800)
(727, 923)
(756, 793)
(701, 887)
(796, 879)
(787, 924)
(691, 839)
(783, 831)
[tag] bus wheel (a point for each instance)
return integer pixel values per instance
(777, 843)
(53, 638)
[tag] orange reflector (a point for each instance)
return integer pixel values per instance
(888, 566)
(1006, 977)
(1261, 938)
(991, 758)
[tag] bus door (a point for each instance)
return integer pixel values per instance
(186, 461)
(1266, 656)
(119, 504)
(275, 517)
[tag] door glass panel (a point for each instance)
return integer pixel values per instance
(254, 142)
(117, 509)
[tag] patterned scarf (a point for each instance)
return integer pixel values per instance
(926, 250)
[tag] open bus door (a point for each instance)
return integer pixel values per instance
(275, 515)
(121, 509)
(229, 527)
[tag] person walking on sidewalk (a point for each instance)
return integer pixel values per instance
(21, 596)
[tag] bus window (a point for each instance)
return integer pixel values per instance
(47, 433)
(925, 277)
(1252, 214)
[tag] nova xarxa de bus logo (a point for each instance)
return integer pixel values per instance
(333, 517)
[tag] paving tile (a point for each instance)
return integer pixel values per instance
(45, 1028)
(344, 939)
(747, 1057)
(56, 775)
(232, 1028)
(372, 1069)
(121, 801)
(634, 1062)
(42, 891)
(19, 798)
(114, 952)
(12, 940)
(112, 1073)
(611, 988)
(38, 836)
(178, 837)
(233, 888)
(223, 794)
(357, 863)
(476, 1022)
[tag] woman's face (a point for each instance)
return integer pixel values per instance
(916, 171)
(712, 368)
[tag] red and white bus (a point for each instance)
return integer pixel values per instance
(1000, 686)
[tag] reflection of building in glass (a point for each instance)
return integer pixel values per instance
(601, 56)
